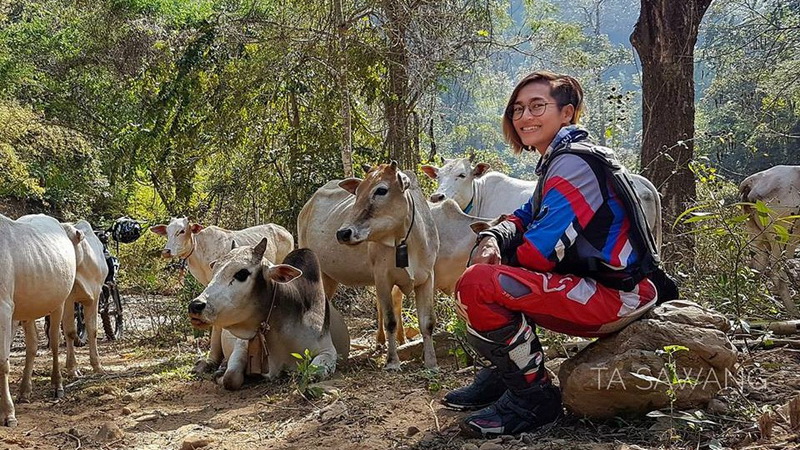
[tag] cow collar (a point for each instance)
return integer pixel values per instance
(472, 200)
(401, 250)
(194, 244)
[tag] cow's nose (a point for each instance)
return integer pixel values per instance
(344, 235)
(436, 198)
(197, 306)
(166, 253)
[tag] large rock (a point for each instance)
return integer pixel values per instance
(598, 381)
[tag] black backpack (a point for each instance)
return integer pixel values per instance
(641, 238)
(126, 230)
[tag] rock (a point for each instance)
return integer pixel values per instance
(491, 446)
(690, 313)
(106, 398)
(443, 342)
(194, 441)
(126, 411)
(717, 406)
(127, 398)
(109, 431)
(469, 447)
(412, 430)
(598, 381)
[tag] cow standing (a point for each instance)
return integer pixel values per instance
(200, 246)
(248, 295)
(485, 193)
(389, 213)
(779, 188)
(37, 273)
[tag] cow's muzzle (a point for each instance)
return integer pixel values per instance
(344, 235)
(436, 198)
(196, 308)
(166, 253)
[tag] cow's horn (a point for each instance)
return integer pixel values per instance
(233, 244)
(258, 250)
(366, 168)
(471, 156)
(393, 165)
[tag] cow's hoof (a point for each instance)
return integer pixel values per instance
(24, 398)
(392, 366)
(99, 370)
(232, 381)
(10, 422)
(204, 366)
(74, 373)
(58, 393)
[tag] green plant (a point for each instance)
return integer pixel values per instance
(307, 373)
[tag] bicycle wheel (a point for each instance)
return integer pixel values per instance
(111, 312)
(80, 326)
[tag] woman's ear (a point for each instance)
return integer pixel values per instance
(567, 114)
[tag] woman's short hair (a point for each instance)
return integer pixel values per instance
(565, 89)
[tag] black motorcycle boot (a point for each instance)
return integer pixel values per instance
(531, 401)
(487, 388)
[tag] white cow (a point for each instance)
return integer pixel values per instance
(779, 188)
(250, 296)
(37, 273)
(200, 245)
(489, 194)
(91, 272)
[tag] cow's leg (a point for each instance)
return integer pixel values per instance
(233, 378)
(326, 358)
(215, 355)
(9, 418)
(31, 345)
(70, 334)
(759, 244)
(90, 318)
(384, 290)
(397, 306)
(782, 277)
(55, 336)
(426, 315)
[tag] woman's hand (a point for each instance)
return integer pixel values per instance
(486, 252)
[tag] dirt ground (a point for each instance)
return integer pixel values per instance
(148, 399)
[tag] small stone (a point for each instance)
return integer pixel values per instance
(127, 398)
(109, 431)
(126, 411)
(717, 406)
(469, 447)
(491, 446)
(412, 430)
(194, 441)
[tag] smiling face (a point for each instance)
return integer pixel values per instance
(539, 131)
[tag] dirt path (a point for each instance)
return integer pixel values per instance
(148, 400)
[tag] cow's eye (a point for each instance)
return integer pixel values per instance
(241, 275)
(381, 191)
(461, 175)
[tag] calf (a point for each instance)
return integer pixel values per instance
(779, 188)
(37, 273)
(248, 295)
(392, 217)
(200, 245)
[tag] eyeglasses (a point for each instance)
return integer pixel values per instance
(536, 107)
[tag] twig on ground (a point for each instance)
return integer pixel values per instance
(435, 417)
(76, 438)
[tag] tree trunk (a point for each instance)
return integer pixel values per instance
(398, 141)
(664, 37)
(340, 63)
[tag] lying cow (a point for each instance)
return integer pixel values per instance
(779, 188)
(328, 209)
(390, 213)
(200, 245)
(249, 295)
(37, 273)
(91, 272)
(486, 193)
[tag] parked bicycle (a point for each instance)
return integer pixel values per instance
(124, 230)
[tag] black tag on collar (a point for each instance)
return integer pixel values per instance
(401, 256)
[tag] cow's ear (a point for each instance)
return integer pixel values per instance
(196, 228)
(258, 250)
(480, 170)
(404, 181)
(431, 171)
(282, 273)
(159, 229)
(498, 219)
(350, 185)
(212, 263)
(366, 168)
(477, 227)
